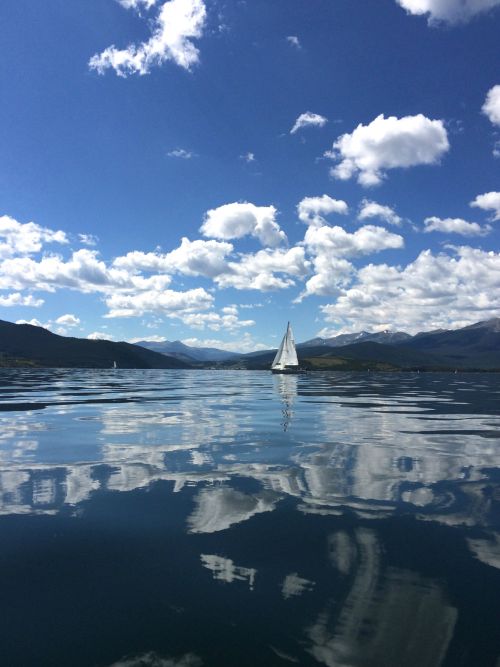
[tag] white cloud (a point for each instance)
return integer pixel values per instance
(312, 209)
(226, 322)
(83, 272)
(192, 258)
(17, 299)
(177, 24)
(330, 275)
(455, 226)
(258, 271)
(34, 322)
(158, 301)
(294, 41)
(339, 243)
(88, 239)
(233, 221)
(448, 11)
(181, 153)
(243, 344)
(489, 201)
(68, 320)
(18, 238)
(308, 119)
(136, 4)
(100, 335)
(148, 339)
(491, 106)
(388, 143)
(434, 291)
(370, 209)
(248, 157)
(331, 248)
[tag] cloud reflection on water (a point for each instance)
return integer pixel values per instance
(263, 464)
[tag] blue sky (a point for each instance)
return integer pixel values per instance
(331, 162)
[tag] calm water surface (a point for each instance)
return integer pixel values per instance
(181, 518)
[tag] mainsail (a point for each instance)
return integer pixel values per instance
(286, 356)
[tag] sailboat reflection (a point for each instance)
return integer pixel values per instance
(286, 385)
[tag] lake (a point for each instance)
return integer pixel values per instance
(189, 518)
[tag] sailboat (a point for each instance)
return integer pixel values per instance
(286, 360)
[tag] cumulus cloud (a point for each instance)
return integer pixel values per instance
(265, 270)
(137, 4)
(243, 344)
(489, 201)
(227, 320)
(34, 322)
(455, 226)
(84, 272)
(370, 209)
(100, 335)
(491, 106)
(148, 339)
(294, 41)
(332, 247)
(17, 299)
(387, 143)
(191, 258)
(330, 275)
(233, 221)
(340, 243)
(181, 153)
(163, 301)
(312, 209)
(17, 238)
(68, 320)
(88, 239)
(308, 119)
(248, 157)
(435, 291)
(177, 24)
(448, 11)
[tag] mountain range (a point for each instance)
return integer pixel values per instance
(188, 353)
(475, 347)
(361, 337)
(28, 345)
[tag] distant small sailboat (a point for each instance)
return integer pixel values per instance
(115, 364)
(286, 360)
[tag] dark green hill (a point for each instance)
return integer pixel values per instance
(372, 352)
(358, 356)
(27, 345)
(475, 346)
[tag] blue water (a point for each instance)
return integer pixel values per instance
(188, 518)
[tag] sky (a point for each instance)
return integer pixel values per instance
(206, 170)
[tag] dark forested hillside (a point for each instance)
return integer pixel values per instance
(27, 345)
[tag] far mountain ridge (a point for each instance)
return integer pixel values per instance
(180, 350)
(386, 336)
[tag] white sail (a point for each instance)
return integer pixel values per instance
(286, 356)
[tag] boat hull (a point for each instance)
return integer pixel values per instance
(286, 371)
